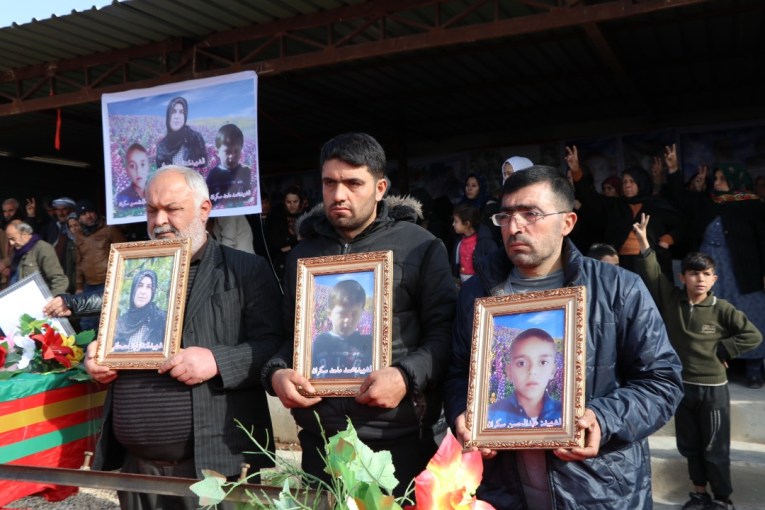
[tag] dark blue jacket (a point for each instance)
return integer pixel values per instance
(633, 386)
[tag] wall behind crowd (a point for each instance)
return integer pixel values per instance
(444, 174)
(23, 179)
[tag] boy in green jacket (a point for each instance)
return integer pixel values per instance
(706, 332)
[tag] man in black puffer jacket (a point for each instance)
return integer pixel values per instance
(398, 405)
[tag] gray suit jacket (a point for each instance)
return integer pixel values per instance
(234, 310)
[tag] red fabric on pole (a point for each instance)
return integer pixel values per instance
(67, 456)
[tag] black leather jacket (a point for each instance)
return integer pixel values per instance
(84, 304)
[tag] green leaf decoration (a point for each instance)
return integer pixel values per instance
(29, 325)
(346, 453)
(79, 374)
(370, 497)
(84, 338)
(286, 500)
(210, 488)
(11, 358)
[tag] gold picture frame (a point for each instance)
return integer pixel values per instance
(339, 340)
(143, 303)
(528, 356)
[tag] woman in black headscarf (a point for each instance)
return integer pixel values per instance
(142, 327)
(619, 214)
(182, 146)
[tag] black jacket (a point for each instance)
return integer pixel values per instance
(632, 385)
(743, 225)
(423, 308)
(232, 310)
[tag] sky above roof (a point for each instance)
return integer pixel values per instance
(22, 12)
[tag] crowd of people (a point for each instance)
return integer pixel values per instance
(530, 235)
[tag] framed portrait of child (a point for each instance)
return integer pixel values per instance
(527, 370)
(143, 303)
(343, 320)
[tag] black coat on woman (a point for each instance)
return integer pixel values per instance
(619, 215)
(743, 225)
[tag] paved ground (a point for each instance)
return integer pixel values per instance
(85, 499)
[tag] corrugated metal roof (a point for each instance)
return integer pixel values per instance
(697, 62)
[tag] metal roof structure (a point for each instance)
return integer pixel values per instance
(424, 76)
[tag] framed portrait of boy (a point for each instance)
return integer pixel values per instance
(143, 303)
(527, 370)
(343, 313)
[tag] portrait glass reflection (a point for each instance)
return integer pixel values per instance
(342, 345)
(526, 371)
(142, 312)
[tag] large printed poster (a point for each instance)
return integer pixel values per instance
(209, 125)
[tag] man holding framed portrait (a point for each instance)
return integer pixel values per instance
(397, 405)
(180, 420)
(632, 373)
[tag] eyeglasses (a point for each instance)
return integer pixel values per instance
(522, 218)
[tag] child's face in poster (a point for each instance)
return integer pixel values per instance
(345, 318)
(138, 168)
(531, 367)
(229, 155)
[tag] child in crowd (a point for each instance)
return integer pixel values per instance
(530, 367)
(229, 182)
(474, 240)
(604, 253)
(343, 352)
(706, 332)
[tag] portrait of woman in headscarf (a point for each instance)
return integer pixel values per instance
(182, 145)
(142, 327)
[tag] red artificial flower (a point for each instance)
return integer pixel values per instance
(3, 352)
(52, 345)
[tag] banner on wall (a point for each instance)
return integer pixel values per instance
(209, 125)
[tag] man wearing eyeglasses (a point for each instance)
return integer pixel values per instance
(632, 373)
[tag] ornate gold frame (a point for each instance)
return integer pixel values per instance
(308, 269)
(178, 254)
(570, 303)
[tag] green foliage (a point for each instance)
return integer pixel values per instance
(210, 489)
(28, 325)
(360, 478)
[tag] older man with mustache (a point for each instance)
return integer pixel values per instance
(180, 420)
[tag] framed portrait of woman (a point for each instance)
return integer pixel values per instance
(143, 303)
(527, 370)
(343, 320)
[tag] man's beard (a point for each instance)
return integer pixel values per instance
(196, 231)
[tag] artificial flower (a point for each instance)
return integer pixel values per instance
(37, 346)
(53, 346)
(77, 351)
(450, 480)
(28, 347)
(3, 351)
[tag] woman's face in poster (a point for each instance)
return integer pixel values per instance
(177, 117)
(143, 292)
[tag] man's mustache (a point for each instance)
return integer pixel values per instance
(165, 230)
